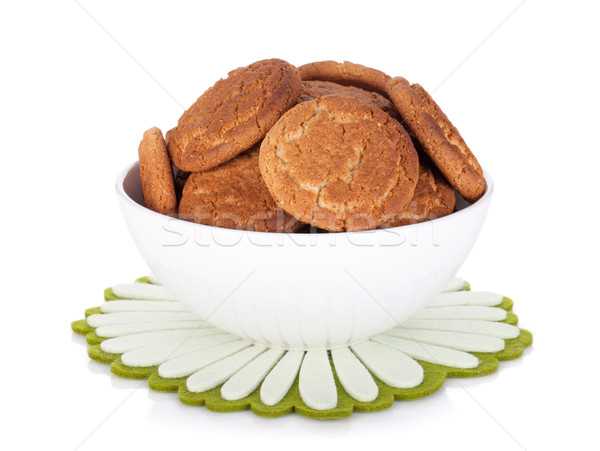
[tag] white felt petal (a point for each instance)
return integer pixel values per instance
(473, 312)
(139, 317)
(190, 363)
(153, 279)
(280, 378)
(467, 298)
(156, 354)
(491, 328)
(353, 375)
(429, 353)
(118, 330)
(142, 306)
(248, 378)
(454, 340)
(145, 291)
(217, 373)
(316, 383)
(391, 366)
(120, 345)
(455, 284)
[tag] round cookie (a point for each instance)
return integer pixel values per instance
(346, 73)
(316, 89)
(234, 196)
(339, 164)
(168, 136)
(433, 198)
(424, 120)
(234, 114)
(155, 173)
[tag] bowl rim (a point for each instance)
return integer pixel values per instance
(470, 208)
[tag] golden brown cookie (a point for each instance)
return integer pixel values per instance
(168, 136)
(155, 173)
(316, 89)
(234, 114)
(424, 120)
(346, 73)
(339, 164)
(234, 196)
(433, 198)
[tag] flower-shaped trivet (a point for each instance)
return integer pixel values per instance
(144, 333)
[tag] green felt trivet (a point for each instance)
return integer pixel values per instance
(433, 374)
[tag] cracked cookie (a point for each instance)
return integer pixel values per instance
(424, 120)
(155, 173)
(234, 196)
(346, 73)
(433, 198)
(316, 89)
(339, 164)
(234, 114)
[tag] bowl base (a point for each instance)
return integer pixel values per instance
(144, 333)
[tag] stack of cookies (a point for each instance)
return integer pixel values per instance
(337, 146)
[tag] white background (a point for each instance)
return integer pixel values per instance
(81, 82)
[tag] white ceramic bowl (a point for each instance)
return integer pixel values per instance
(301, 291)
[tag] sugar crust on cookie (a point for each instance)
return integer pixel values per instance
(339, 164)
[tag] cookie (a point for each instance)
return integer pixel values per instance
(168, 136)
(346, 73)
(234, 196)
(339, 164)
(234, 114)
(155, 173)
(424, 120)
(433, 198)
(316, 89)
